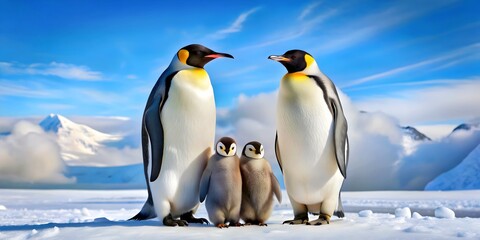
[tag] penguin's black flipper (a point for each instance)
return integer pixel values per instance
(147, 211)
(339, 212)
(205, 184)
(277, 152)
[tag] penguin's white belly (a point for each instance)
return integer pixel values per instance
(305, 135)
(188, 119)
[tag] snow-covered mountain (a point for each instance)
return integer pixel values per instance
(75, 139)
(466, 127)
(412, 138)
(465, 175)
(414, 134)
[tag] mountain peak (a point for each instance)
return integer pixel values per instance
(53, 122)
(415, 134)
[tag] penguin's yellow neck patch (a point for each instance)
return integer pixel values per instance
(309, 60)
(183, 56)
(197, 77)
(296, 76)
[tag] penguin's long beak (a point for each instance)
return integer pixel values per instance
(218, 55)
(279, 58)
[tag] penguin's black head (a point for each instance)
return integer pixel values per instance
(294, 60)
(197, 55)
(226, 147)
(253, 149)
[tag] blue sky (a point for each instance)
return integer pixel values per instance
(101, 58)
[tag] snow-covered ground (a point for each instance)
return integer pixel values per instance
(101, 214)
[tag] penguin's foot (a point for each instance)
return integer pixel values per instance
(299, 219)
(251, 222)
(323, 219)
(262, 224)
(191, 219)
(339, 214)
(169, 221)
(222, 225)
(237, 224)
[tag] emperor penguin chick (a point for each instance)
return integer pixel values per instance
(258, 185)
(222, 182)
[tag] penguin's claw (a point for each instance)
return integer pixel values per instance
(191, 219)
(169, 221)
(296, 221)
(323, 219)
(222, 225)
(237, 224)
(301, 218)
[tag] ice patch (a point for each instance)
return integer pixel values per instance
(443, 212)
(417, 215)
(49, 233)
(466, 234)
(365, 213)
(403, 212)
(101, 220)
(417, 229)
(85, 212)
(3, 208)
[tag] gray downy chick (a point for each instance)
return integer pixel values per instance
(222, 183)
(259, 185)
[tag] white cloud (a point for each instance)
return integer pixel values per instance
(110, 156)
(29, 155)
(236, 26)
(62, 70)
(449, 102)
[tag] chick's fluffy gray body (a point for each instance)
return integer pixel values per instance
(259, 185)
(224, 194)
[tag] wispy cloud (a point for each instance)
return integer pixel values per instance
(372, 25)
(236, 26)
(25, 89)
(62, 70)
(301, 28)
(458, 53)
(131, 76)
(424, 83)
(102, 97)
(240, 71)
(306, 11)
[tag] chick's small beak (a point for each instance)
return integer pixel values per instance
(218, 55)
(279, 58)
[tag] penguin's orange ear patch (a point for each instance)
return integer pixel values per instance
(183, 56)
(309, 59)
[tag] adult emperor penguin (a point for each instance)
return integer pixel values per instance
(222, 185)
(311, 143)
(259, 184)
(179, 127)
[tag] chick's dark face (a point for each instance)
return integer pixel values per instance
(197, 55)
(293, 60)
